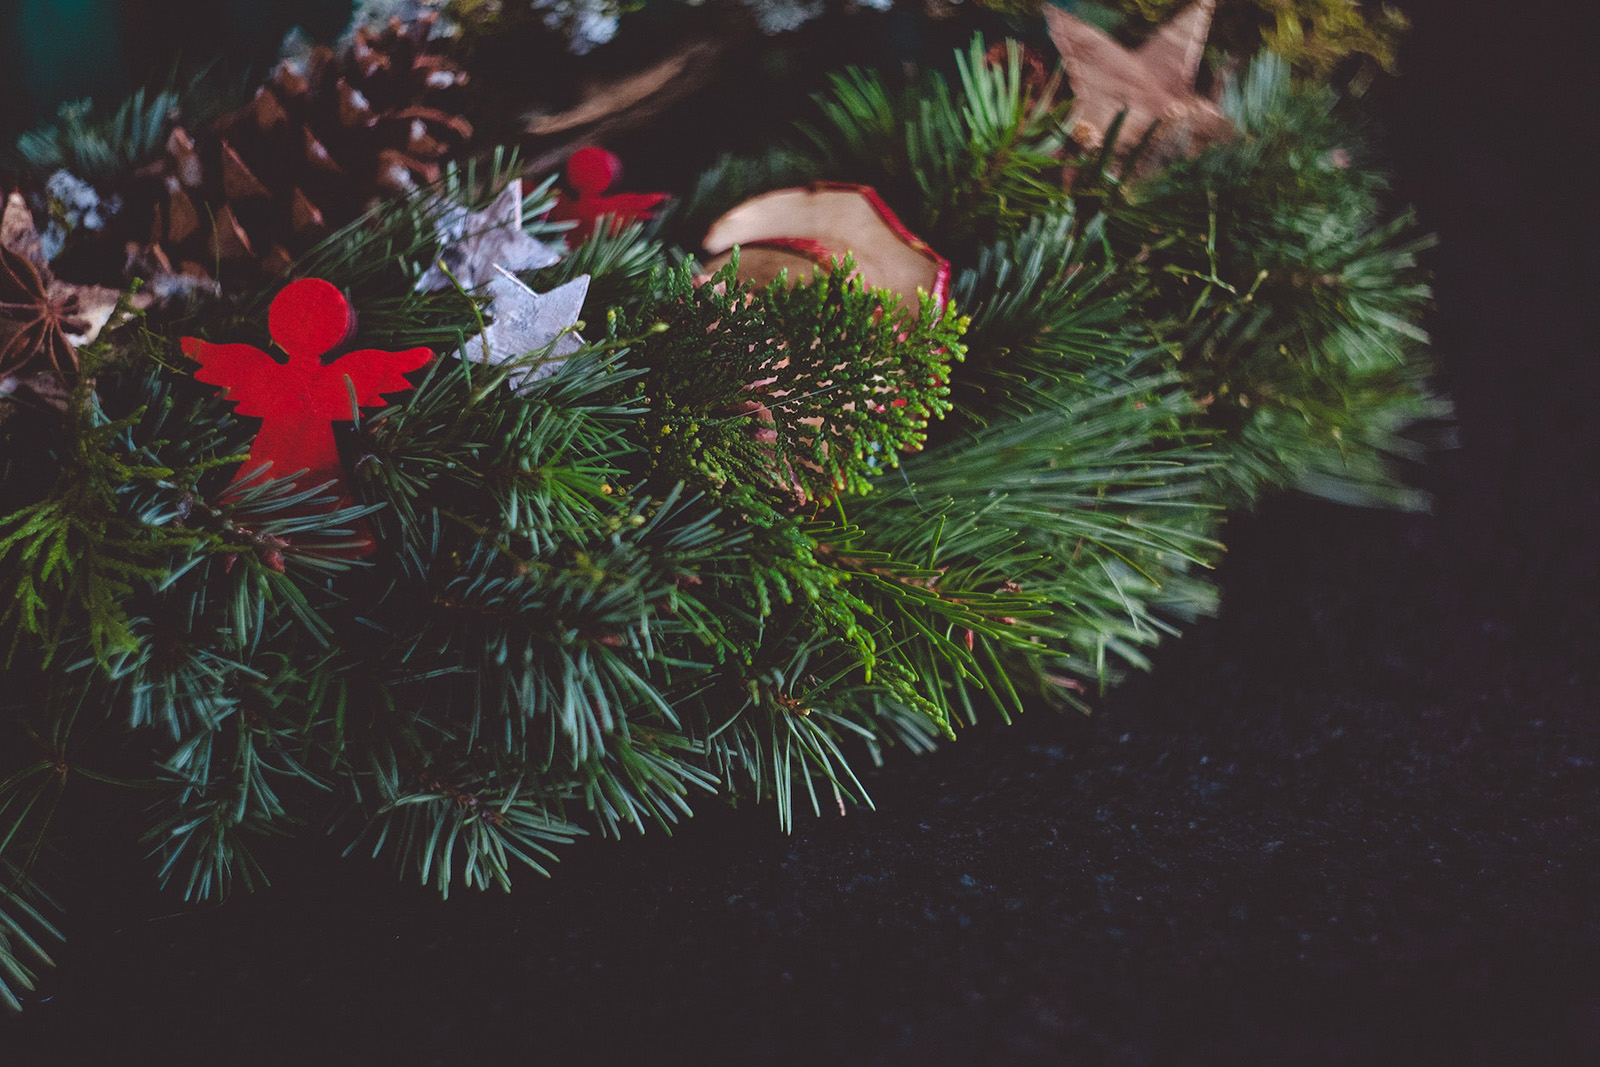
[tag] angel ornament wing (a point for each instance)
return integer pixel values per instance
(299, 401)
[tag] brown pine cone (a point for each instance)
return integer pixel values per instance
(321, 142)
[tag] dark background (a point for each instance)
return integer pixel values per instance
(1352, 820)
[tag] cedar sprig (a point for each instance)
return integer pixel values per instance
(806, 392)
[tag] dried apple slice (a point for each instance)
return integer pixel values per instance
(801, 228)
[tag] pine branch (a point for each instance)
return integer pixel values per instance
(103, 150)
(963, 164)
(1089, 507)
(1046, 307)
(1291, 300)
(445, 820)
(24, 934)
(621, 262)
(69, 560)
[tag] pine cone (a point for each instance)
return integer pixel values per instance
(320, 143)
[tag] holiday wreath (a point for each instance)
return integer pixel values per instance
(361, 476)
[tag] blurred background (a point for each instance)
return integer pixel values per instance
(55, 51)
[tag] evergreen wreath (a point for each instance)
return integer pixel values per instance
(717, 539)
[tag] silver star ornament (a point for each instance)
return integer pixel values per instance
(526, 322)
(477, 242)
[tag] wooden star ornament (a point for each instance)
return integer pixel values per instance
(1153, 83)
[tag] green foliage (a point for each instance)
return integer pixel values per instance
(36, 727)
(804, 391)
(692, 559)
(1046, 307)
(1317, 35)
(621, 262)
(798, 711)
(70, 559)
(101, 150)
(1092, 507)
(24, 933)
(783, 572)
(455, 815)
(1290, 299)
(966, 163)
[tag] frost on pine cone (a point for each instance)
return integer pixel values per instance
(322, 140)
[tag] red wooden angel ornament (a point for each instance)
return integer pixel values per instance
(591, 171)
(299, 401)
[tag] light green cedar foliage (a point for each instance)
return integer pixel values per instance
(807, 390)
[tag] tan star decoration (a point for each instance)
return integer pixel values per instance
(1153, 83)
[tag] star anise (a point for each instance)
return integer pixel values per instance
(42, 318)
(35, 318)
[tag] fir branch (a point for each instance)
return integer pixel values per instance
(69, 561)
(544, 459)
(1291, 300)
(24, 934)
(448, 819)
(1046, 307)
(1087, 507)
(101, 150)
(229, 779)
(963, 164)
(797, 712)
(621, 262)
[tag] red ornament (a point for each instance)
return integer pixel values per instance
(299, 401)
(590, 172)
